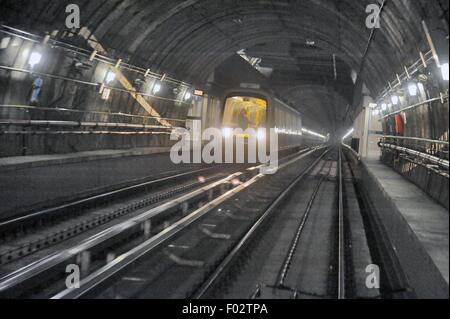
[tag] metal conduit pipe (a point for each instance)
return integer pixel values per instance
(57, 109)
(86, 53)
(419, 139)
(92, 84)
(413, 69)
(80, 133)
(79, 124)
(351, 150)
(443, 97)
(435, 160)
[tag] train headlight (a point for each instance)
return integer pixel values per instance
(261, 134)
(227, 132)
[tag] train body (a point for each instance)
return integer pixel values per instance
(255, 109)
(242, 112)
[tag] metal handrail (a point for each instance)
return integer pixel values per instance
(91, 132)
(405, 75)
(56, 109)
(93, 84)
(79, 124)
(418, 139)
(86, 53)
(435, 160)
(443, 97)
(355, 153)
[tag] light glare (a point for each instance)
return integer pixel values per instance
(412, 88)
(35, 58)
(110, 76)
(156, 88)
(348, 134)
(444, 70)
(395, 99)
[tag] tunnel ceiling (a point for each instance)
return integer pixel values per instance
(297, 39)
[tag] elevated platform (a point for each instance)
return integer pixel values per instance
(21, 162)
(32, 182)
(416, 225)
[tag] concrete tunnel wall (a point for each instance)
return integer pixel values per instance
(189, 40)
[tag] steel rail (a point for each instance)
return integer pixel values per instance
(16, 222)
(98, 278)
(294, 244)
(119, 264)
(49, 263)
(341, 234)
(243, 242)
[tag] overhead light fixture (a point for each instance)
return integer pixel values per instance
(35, 58)
(384, 106)
(412, 88)
(444, 70)
(348, 134)
(156, 88)
(373, 105)
(188, 95)
(110, 76)
(395, 99)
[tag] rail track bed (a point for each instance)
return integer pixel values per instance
(177, 264)
(297, 253)
(124, 224)
(34, 235)
(298, 233)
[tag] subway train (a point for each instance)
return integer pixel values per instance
(258, 110)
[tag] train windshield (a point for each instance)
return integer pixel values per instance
(245, 112)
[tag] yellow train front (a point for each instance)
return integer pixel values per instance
(256, 113)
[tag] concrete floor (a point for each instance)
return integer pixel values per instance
(30, 185)
(417, 227)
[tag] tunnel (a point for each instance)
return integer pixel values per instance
(248, 150)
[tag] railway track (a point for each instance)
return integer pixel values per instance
(295, 234)
(175, 263)
(312, 244)
(93, 253)
(31, 233)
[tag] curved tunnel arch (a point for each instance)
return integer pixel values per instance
(189, 39)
